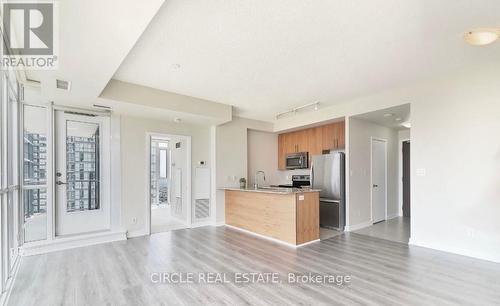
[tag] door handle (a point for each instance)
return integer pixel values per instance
(375, 186)
(60, 183)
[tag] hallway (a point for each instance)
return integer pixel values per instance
(396, 229)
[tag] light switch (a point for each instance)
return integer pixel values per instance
(421, 172)
(301, 197)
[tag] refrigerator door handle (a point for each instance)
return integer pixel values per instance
(311, 177)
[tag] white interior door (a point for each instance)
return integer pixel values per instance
(82, 173)
(378, 173)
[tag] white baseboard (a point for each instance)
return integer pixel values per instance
(76, 241)
(494, 257)
(4, 297)
(203, 223)
(136, 233)
(355, 227)
(221, 223)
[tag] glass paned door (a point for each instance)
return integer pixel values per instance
(82, 173)
(159, 172)
(82, 166)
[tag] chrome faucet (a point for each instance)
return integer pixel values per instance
(256, 183)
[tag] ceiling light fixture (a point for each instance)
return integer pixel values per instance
(398, 119)
(388, 115)
(406, 124)
(482, 36)
(177, 120)
(314, 105)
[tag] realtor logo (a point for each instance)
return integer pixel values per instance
(29, 38)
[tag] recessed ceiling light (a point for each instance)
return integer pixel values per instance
(398, 119)
(406, 124)
(177, 120)
(482, 36)
(388, 115)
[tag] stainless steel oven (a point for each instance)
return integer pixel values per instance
(297, 160)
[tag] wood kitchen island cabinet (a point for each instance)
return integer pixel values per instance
(288, 216)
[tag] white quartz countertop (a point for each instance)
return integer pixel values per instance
(276, 190)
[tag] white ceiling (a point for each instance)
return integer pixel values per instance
(267, 56)
(380, 117)
(95, 36)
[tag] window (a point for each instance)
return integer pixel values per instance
(35, 173)
(159, 171)
(82, 166)
(163, 164)
(9, 178)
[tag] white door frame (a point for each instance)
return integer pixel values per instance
(105, 170)
(150, 135)
(400, 175)
(372, 139)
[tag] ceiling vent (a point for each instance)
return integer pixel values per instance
(64, 85)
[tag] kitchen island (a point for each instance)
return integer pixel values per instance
(289, 215)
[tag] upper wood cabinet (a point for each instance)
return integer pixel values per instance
(313, 140)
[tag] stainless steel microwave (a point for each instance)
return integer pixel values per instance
(297, 160)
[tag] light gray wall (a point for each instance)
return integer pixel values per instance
(134, 146)
(231, 160)
(455, 137)
(404, 134)
(360, 133)
(262, 155)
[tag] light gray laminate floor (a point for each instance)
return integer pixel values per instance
(161, 221)
(383, 272)
(326, 233)
(396, 229)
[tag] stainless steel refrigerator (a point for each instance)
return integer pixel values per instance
(328, 175)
